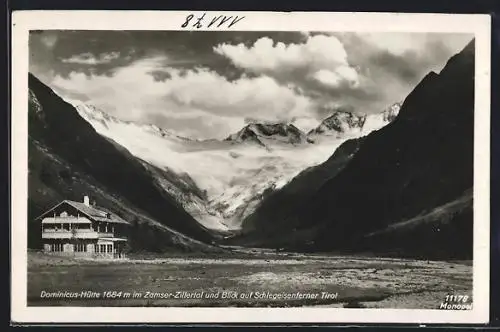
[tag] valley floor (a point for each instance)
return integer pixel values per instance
(250, 278)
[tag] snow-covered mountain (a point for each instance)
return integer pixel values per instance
(221, 182)
(342, 123)
(269, 134)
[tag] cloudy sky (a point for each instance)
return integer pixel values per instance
(209, 84)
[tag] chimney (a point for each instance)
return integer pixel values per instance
(86, 200)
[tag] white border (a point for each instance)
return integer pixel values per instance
(22, 22)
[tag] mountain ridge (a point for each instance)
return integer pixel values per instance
(342, 121)
(279, 132)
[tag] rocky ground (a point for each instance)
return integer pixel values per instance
(260, 279)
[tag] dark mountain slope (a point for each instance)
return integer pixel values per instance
(65, 150)
(420, 161)
(268, 221)
(443, 232)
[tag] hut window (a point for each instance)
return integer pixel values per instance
(64, 214)
(56, 247)
(80, 247)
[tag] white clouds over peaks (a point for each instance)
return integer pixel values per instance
(187, 96)
(207, 84)
(320, 58)
(259, 97)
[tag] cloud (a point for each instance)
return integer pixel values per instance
(343, 75)
(188, 98)
(397, 44)
(90, 59)
(306, 123)
(388, 66)
(363, 71)
(321, 58)
(206, 84)
(407, 57)
(258, 97)
(419, 44)
(49, 40)
(196, 125)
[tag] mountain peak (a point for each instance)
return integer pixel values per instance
(263, 133)
(342, 122)
(470, 48)
(390, 113)
(98, 117)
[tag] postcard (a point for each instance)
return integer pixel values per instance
(246, 167)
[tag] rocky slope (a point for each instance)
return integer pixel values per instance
(343, 122)
(267, 135)
(271, 215)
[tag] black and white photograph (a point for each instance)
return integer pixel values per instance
(209, 165)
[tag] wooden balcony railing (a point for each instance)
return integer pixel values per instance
(51, 233)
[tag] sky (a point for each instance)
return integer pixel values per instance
(209, 84)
